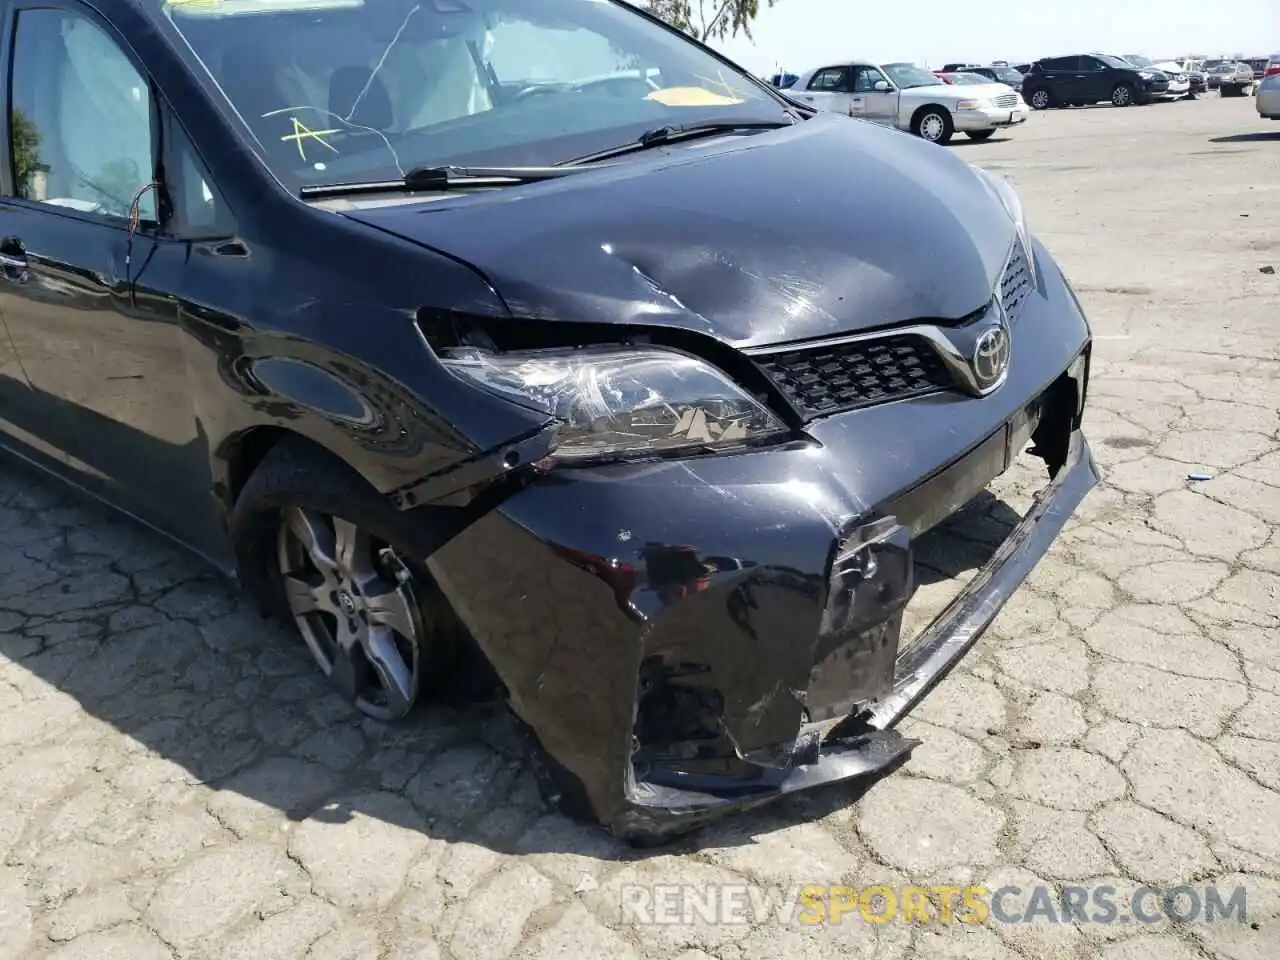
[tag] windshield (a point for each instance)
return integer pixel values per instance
(357, 90)
(963, 79)
(1007, 74)
(906, 75)
(1223, 68)
(1137, 60)
(1111, 61)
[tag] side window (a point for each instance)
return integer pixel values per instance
(81, 117)
(1091, 65)
(865, 79)
(831, 80)
(199, 208)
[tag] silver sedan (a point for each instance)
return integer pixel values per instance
(1269, 90)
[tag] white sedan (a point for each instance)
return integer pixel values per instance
(910, 98)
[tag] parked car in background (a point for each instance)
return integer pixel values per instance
(1179, 84)
(783, 81)
(1234, 79)
(963, 78)
(955, 67)
(1269, 90)
(971, 78)
(1178, 72)
(1195, 72)
(1215, 70)
(1076, 81)
(1258, 65)
(1000, 74)
(1023, 68)
(911, 98)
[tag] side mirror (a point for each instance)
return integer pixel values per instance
(881, 87)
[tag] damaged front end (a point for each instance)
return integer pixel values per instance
(699, 752)
(689, 638)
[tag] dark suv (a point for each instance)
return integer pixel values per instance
(1090, 78)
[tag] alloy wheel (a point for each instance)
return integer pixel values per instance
(1040, 99)
(355, 605)
(1121, 97)
(932, 127)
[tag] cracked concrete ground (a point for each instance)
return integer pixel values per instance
(175, 781)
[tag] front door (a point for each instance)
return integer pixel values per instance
(829, 89)
(878, 106)
(1093, 81)
(88, 289)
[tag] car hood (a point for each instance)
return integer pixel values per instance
(831, 226)
(949, 92)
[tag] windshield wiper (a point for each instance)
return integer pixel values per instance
(438, 178)
(677, 132)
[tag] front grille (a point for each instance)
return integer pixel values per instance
(1015, 283)
(1006, 100)
(845, 376)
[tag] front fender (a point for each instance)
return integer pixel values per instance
(347, 367)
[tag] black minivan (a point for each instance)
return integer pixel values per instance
(516, 334)
(1090, 78)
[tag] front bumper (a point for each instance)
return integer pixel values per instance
(673, 635)
(991, 118)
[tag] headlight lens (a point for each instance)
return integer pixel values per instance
(1147, 75)
(620, 403)
(1012, 204)
(970, 104)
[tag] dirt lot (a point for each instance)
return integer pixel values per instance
(175, 781)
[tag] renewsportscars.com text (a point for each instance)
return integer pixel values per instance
(815, 904)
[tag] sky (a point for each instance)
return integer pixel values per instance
(799, 34)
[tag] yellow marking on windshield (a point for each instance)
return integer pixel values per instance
(691, 97)
(302, 132)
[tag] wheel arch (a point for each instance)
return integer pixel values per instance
(239, 454)
(931, 105)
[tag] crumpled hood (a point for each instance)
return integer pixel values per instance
(831, 226)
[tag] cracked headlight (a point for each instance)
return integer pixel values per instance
(621, 403)
(1012, 204)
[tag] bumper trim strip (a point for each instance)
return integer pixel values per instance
(954, 631)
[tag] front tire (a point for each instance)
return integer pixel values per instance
(327, 554)
(1040, 99)
(980, 135)
(933, 124)
(1122, 96)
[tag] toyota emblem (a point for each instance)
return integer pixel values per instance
(991, 356)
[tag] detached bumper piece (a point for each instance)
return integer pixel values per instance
(686, 768)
